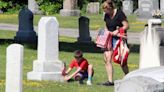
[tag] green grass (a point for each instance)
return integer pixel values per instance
(96, 21)
(67, 46)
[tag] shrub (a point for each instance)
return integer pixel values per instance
(50, 6)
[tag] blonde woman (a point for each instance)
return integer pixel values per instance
(113, 18)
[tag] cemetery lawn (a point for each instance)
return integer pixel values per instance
(67, 46)
(96, 21)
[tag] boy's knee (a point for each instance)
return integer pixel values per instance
(90, 66)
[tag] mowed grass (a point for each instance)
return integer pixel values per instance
(67, 46)
(96, 21)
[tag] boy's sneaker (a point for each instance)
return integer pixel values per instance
(89, 83)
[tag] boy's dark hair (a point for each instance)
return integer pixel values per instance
(78, 54)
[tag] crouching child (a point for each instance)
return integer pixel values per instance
(83, 69)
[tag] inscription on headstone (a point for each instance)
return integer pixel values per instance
(128, 7)
(147, 7)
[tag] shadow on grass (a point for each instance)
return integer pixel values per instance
(90, 47)
(12, 41)
(135, 48)
(70, 47)
(6, 41)
(85, 47)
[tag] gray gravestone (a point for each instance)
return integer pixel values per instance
(1, 11)
(26, 33)
(47, 66)
(128, 7)
(142, 80)
(84, 34)
(70, 8)
(147, 7)
(33, 6)
(162, 6)
(14, 68)
(93, 8)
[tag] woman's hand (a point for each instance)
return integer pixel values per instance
(114, 33)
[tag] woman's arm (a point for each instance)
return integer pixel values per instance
(125, 25)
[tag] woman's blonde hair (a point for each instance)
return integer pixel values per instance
(108, 4)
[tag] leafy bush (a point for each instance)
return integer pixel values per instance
(50, 6)
(12, 6)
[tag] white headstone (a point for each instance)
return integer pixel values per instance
(162, 6)
(147, 7)
(47, 66)
(142, 80)
(14, 65)
(33, 6)
(128, 7)
(149, 47)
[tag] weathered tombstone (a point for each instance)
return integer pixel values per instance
(147, 7)
(47, 66)
(84, 34)
(93, 8)
(1, 11)
(142, 80)
(33, 7)
(162, 6)
(150, 43)
(127, 7)
(14, 68)
(26, 33)
(70, 8)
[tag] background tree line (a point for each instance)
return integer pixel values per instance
(50, 6)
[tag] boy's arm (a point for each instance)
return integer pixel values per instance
(70, 76)
(68, 70)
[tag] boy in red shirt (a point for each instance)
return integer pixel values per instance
(83, 69)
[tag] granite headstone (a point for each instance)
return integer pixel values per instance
(84, 34)
(26, 33)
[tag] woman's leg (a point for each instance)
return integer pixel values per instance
(108, 64)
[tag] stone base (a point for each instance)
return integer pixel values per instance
(28, 36)
(55, 76)
(65, 12)
(84, 40)
(142, 80)
(46, 70)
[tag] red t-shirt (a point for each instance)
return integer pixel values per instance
(83, 64)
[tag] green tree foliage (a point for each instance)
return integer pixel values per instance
(50, 6)
(12, 6)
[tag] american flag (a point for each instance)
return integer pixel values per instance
(103, 39)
